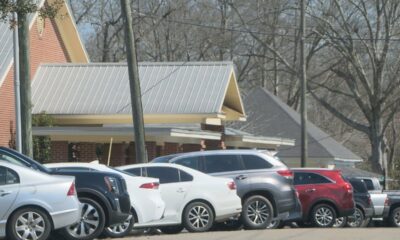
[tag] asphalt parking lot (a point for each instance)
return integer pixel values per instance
(285, 234)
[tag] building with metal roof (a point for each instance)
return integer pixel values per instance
(267, 115)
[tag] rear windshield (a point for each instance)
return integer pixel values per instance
(358, 185)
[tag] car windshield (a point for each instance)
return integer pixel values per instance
(17, 158)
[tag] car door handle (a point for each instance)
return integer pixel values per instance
(311, 190)
(180, 190)
(4, 193)
(241, 177)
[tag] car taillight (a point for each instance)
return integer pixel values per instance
(112, 184)
(72, 191)
(348, 187)
(369, 201)
(232, 185)
(286, 173)
(387, 201)
(153, 185)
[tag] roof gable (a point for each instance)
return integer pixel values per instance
(167, 89)
(66, 27)
(270, 116)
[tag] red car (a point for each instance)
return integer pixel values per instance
(324, 195)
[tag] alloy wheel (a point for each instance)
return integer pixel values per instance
(258, 212)
(30, 226)
(396, 218)
(120, 228)
(357, 218)
(324, 216)
(88, 223)
(199, 217)
(339, 222)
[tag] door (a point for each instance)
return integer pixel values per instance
(310, 187)
(173, 191)
(9, 187)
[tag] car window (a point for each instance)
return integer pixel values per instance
(8, 176)
(358, 185)
(134, 171)
(164, 174)
(185, 177)
(222, 163)
(190, 162)
(12, 160)
(255, 162)
(302, 178)
(369, 184)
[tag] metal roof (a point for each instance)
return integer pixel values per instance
(103, 88)
(6, 44)
(270, 116)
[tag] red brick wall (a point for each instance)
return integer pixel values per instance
(59, 152)
(191, 147)
(171, 148)
(47, 48)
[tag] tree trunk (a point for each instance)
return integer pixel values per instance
(376, 152)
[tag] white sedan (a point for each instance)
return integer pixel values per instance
(32, 204)
(193, 199)
(147, 204)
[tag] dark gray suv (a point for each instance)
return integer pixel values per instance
(264, 183)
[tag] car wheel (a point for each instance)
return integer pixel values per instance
(91, 224)
(257, 212)
(357, 219)
(276, 224)
(198, 217)
(394, 218)
(323, 215)
(120, 230)
(340, 222)
(171, 229)
(29, 223)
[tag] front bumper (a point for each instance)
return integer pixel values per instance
(295, 214)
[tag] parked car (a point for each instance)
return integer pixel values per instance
(104, 196)
(34, 203)
(324, 196)
(146, 202)
(193, 199)
(264, 183)
(386, 203)
(364, 208)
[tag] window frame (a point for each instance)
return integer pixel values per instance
(8, 171)
(330, 181)
(237, 156)
(147, 175)
(255, 156)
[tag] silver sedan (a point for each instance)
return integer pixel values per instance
(32, 204)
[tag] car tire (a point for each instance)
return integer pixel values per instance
(394, 218)
(251, 212)
(171, 229)
(29, 221)
(323, 216)
(276, 224)
(120, 230)
(340, 222)
(92, 210)
(357, 219)
(198, 217)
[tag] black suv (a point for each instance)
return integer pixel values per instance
(364, 208)
(264, 183)
(104, 196)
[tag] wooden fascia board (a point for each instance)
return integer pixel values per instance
(62, 119)
(70, 35)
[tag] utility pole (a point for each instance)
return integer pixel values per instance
(25, 81)
(17, 94)
(134, 84)
(303, 104)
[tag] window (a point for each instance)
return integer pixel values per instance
(190, 162)
(369, 184)
(185, 177)
(255, 162)
(164, 174)
(6, 158)
(135, 171)
(301, 178)
(358, 186)
(222, 163)
(8, 176)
